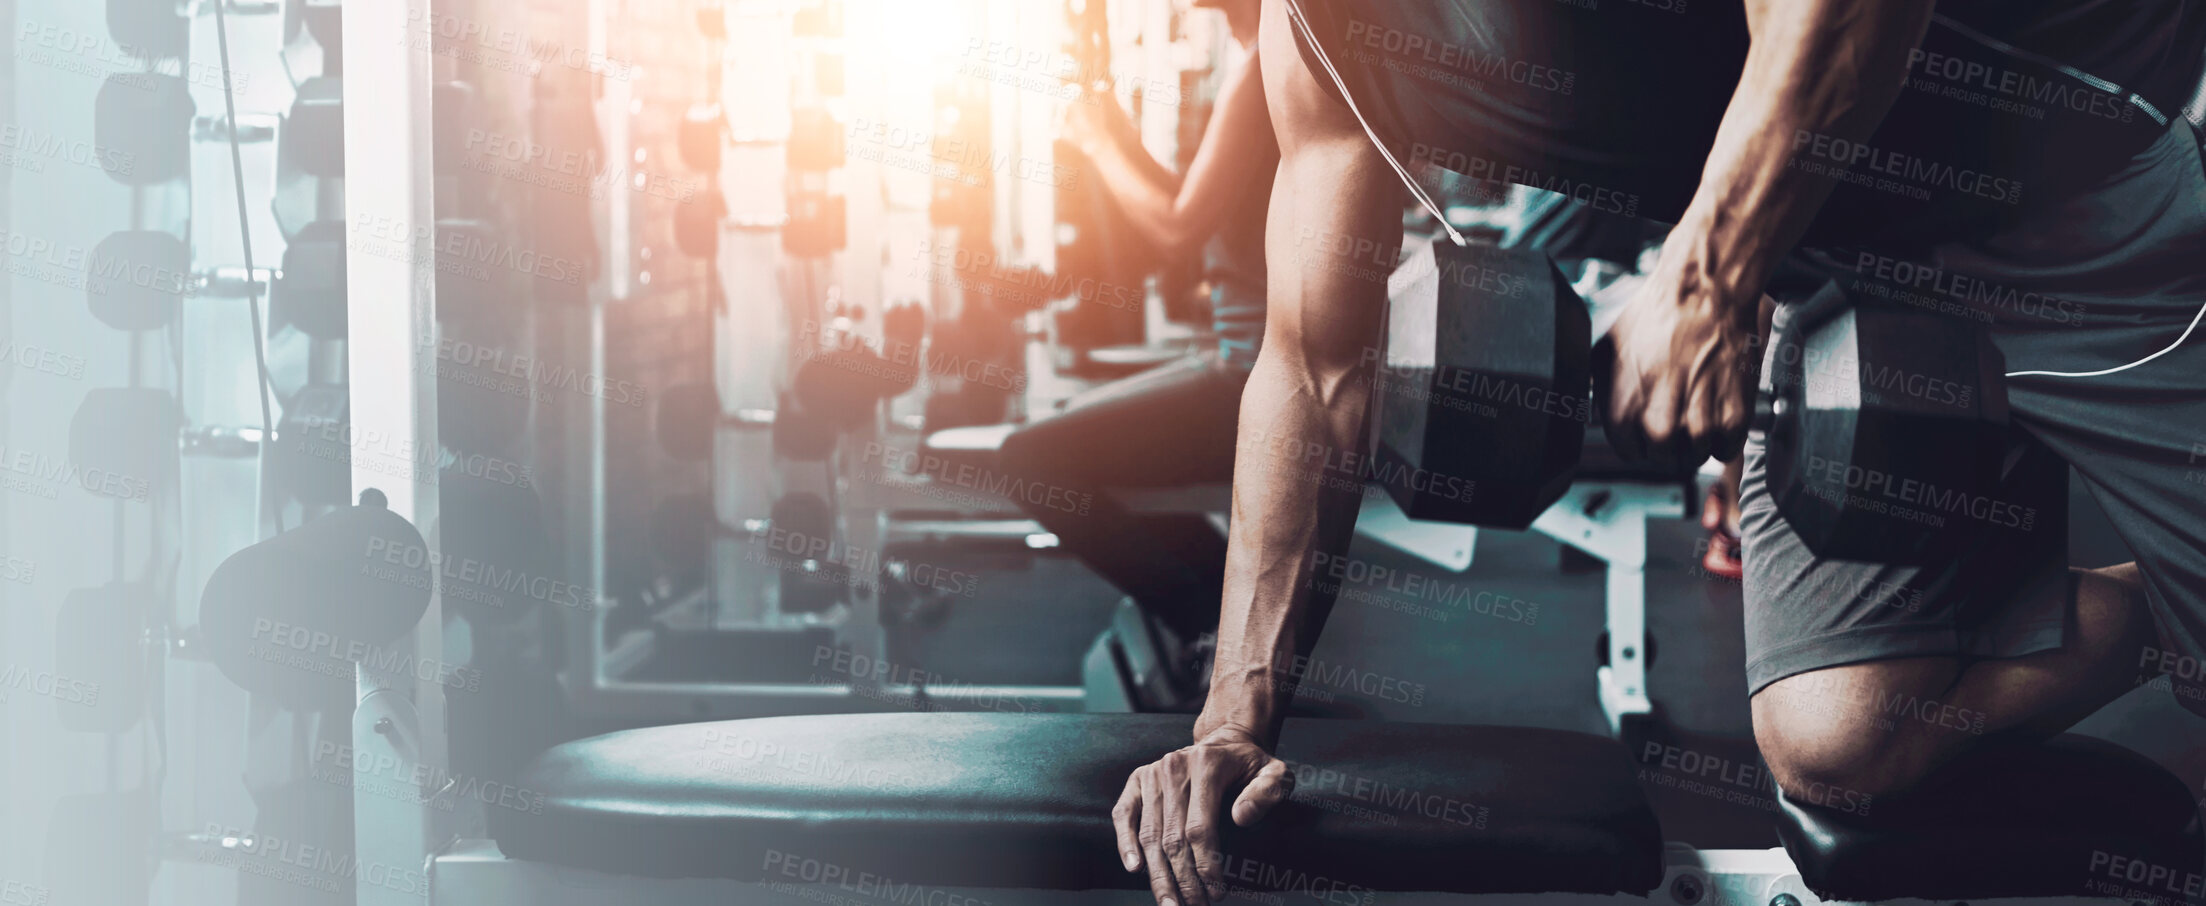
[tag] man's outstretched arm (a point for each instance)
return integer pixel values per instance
(1816, 68)
(1297, 479)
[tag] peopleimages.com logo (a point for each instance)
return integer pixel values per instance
(2153, 880)
(17, 893)
(1910, 174)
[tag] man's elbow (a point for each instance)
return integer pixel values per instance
(1177, 230)
(1174, 240)
(1321, 367)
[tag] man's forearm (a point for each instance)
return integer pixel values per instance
(1146, 191)
(1297, 486)
(1822, 67)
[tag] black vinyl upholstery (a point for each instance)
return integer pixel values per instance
(2072, 816)
(1023, 800)
(1601, 462)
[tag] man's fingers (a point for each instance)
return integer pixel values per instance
(1738, 412)
(1205, 801)
(1738, 391)
(1700, 430)
(1125, 817)
(1172, 787)
(1272, 785)
(1660, 426)
(1623, 433)
(1151, 837)
(1715, 415)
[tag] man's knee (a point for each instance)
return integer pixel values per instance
(1849, 734)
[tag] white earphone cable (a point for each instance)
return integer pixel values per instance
(2118, 368)
(1294, 10)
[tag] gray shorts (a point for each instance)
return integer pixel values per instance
(2003, 593)
(2097, 281)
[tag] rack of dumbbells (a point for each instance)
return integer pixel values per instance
(252, 622)
(118, 639)
(696, 623)
(677, 571)
(498, 384)
(824, 403)
(805, 602)
(673, 628)
(977, 350)
(1097, 252)
(110, 640)
(664, 214)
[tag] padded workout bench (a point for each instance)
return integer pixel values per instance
(1006, 809)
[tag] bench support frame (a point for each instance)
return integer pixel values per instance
(1608, 520)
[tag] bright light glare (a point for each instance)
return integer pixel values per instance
(920, 34)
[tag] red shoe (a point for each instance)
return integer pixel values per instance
(1723, 556)
(1722, 559)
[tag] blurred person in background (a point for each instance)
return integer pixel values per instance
(1173, 425)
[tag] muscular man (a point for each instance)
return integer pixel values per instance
(1968, 142)
(1173, 425)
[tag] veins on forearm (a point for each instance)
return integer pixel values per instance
(1816, 67)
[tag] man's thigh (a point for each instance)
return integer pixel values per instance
(1999, 591)
(2102, 283)
(2086, 284)
(1851, 707)
(2141, 452)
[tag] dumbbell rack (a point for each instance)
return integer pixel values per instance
(143, 281)
(724, 143)
(112, 639)
(786, 216)
(748, 237)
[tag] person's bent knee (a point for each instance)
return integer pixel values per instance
(1830, 738)
(1816, 756)
(2127, 575)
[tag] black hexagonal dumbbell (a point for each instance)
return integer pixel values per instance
(287, 618)
(1887, 428)
(1483, 387)
(135, 279)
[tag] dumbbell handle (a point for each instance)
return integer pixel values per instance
(251, 128)
(1767, 406)
(220, 441)
(234, 281)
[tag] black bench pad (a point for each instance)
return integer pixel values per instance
(2071, 816)
(1601, 462)
(1023, 800)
